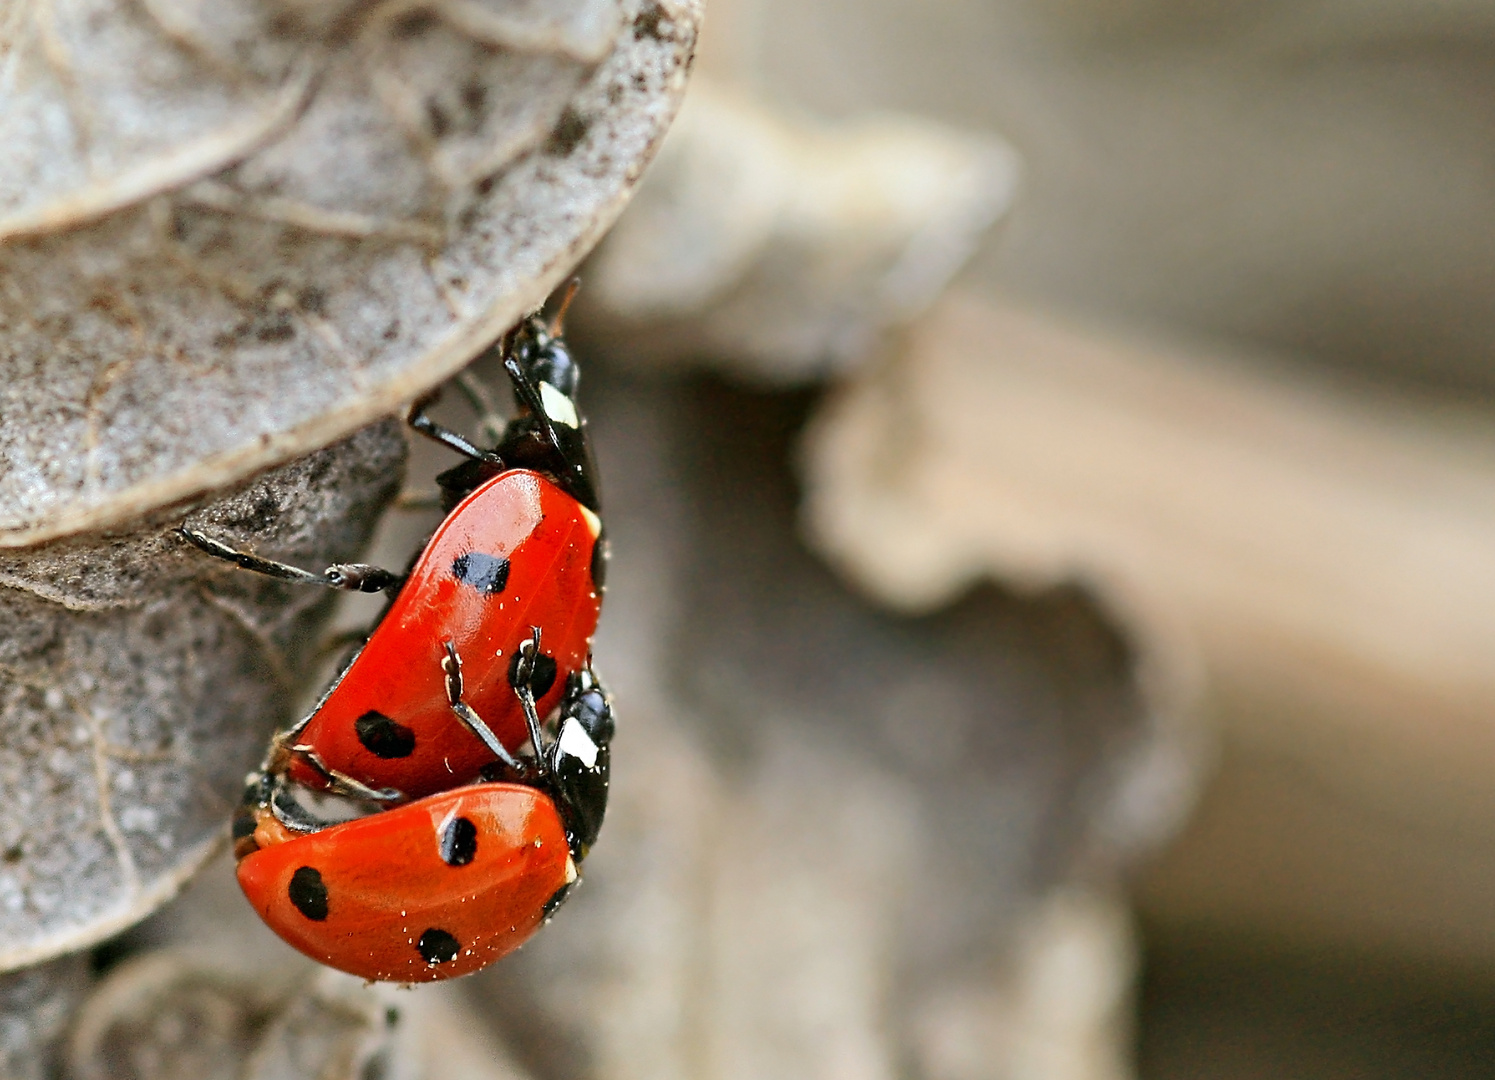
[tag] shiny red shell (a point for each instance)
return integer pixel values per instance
(432, 890)
(516, 553)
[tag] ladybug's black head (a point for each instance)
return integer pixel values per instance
(544, 358)
(549, 432)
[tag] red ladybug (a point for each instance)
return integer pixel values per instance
(442, 886)
(490, 631)
(437, 888)
(514, 555)
(521, 556)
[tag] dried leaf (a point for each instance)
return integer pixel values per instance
(177, 1016)
(162, 1016)
(340, 1028)
(826, 820)
(783, 250)
(233, 232)
(35, 1006)
(139, 680)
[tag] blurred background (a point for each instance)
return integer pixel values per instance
(1220, 362)
(1049, 468)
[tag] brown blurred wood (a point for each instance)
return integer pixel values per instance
(1312, 564)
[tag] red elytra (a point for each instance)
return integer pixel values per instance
(517, 553)
(432, 890)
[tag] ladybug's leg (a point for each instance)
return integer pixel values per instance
(448, 438)
(340, 783)
(480, 397)
(451, 664)
(354, 577)
(520, 678)
(284, 748)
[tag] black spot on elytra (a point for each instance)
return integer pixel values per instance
(437, 946)
(383, 737)
(541, 680)
(308, 894)
(459, 842)
(647, 23)
(567, 134)
(600, 555)
(488, 574)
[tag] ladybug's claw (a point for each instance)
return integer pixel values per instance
(451, 665)
(361, 577)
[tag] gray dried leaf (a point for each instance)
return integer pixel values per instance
(178, 1016)
(233, 232)
(139, 680)
(181, 1013)
(164, 1016)
(340, 1028)
(35, 1006)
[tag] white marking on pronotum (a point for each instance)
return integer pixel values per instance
(578, 744)
(571, 874)
(558, 406)
(593, 522)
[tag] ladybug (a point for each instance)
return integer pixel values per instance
(441, 886)
(421, 733)
(520, 556)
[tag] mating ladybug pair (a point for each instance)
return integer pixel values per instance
(460, 845)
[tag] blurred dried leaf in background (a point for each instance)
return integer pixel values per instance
(784, 249)
(36, 1006)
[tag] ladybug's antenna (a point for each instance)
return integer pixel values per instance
(559, 318)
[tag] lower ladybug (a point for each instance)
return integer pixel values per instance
(441, 886)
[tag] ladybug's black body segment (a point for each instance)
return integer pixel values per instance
(549, 432)
(581, 760)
